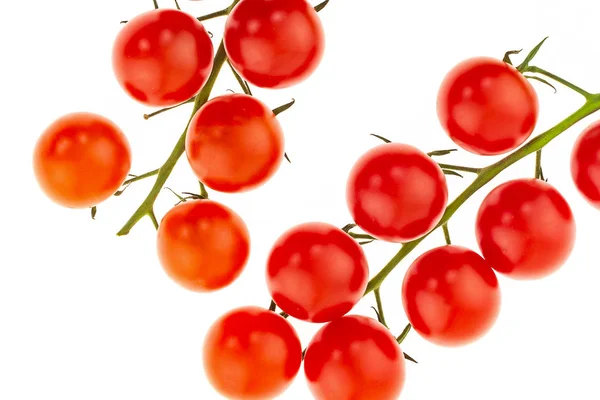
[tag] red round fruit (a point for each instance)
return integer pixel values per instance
(251, 353)
(585, 164)
(316, 272)
(451, 296)
(163, 57)
(486, 106)
(81, 159)
(525, 229)
(354, 358)
(234, 143)
(203, 245)
(396, 193)
(274, 44)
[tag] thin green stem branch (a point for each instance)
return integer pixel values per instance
(155, 4)
(272, 306)
(404, 334)
(461, 168)
(153, 218)
(485, 176)
(537, 70)
(538, 164)
(447, 234)
(220, 13)
(140, 177)
(162, 110)
(380, 308)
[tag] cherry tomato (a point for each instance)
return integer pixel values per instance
(525, 229)
(396, 193)
(234, 143)
(251, 353)
(162, 57)
(354, 358)
(585, 164)
(316, 272)
(274, 44)
(486, 106)
(203, 245)
(451, 296)
(81, 159)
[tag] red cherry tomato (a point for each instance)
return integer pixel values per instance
(234, 143)
(585, 164)
(451, 296)
(525, 229)
(316, 272)
(81, 160)
(354, 358)
(203, 245)
(486, 106)
(251, 353)
(274, 44)
(162, 57)
(396, 193)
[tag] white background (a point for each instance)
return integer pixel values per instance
(87, 315)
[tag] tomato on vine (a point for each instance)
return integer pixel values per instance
(486, 106)
(162, 57)
(251, 353)
(274, 44)
(81, 159)
(396, 193)
(585, 164)
(203, 245)
(234, 143)
(525, 229)
(451, 296)
(354, 358)
(316, 272)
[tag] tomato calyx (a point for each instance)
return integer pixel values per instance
(185, 196)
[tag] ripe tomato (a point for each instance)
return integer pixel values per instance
(585, 164)
(274, 44)
(251, 353)
(354, 358)
(525, 229)
(486, 106)
(81, 159)
(316, 272)
(234, 143)
(396, 193)
(203, 245)
(451, 296)
(162, 57)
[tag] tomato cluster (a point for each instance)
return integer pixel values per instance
(317, 272)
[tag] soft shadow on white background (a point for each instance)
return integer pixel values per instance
(87, 315)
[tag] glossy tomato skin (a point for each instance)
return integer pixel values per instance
(354, 358)
(81, 159)
(316, 272)
(203, 245)
(274, 44)
(162, 57)
(525, 229)
(585, 164)
(251, 354)
(486, 106)
(234, 143)
(396, 193)
(451, 296)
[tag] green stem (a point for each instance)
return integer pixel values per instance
(272, 306)
(162, 110)
(155, 4)
(447, 233)
(153, 218)
(220, 13)
(485, 176)
(380, 308)
(404, 334)
(538, 164)
(537, 70)
(140, 177)
(461, 168)
(178, 150)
